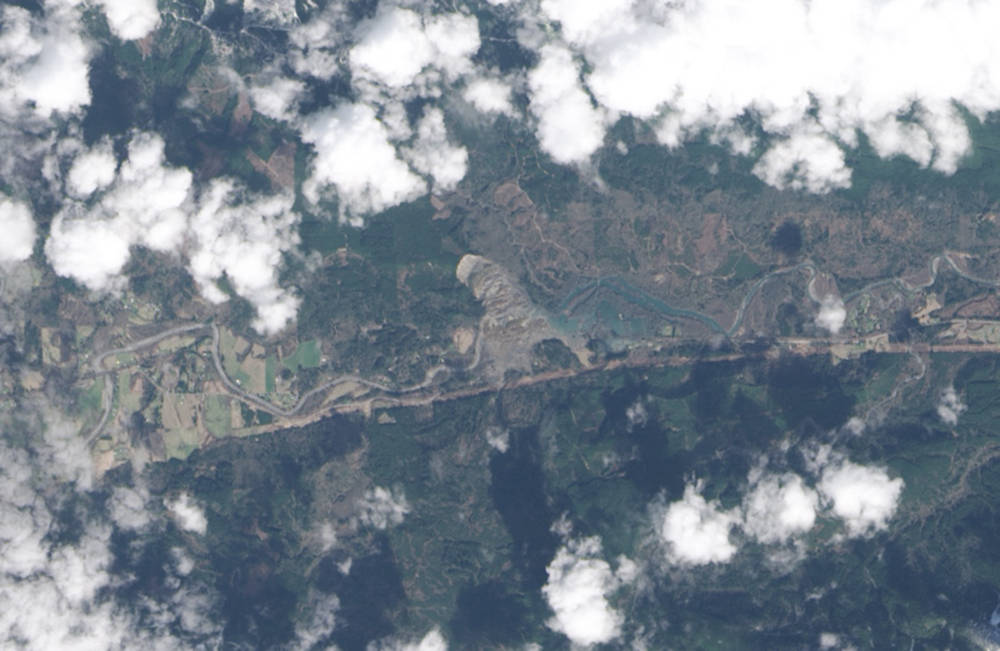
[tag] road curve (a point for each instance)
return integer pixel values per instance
(235, 389)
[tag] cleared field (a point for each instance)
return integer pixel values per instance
(307, 355)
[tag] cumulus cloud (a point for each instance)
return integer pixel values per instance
(368, 153)
(131, 19)
(244, 240)
(281, 12)
(579, 583)
(313, 45)
(858, 67)
(570, 129)
(400, 48)
(354, 157)
(128, 507)
(778, 507)
(382, 508)
(950, 407)
(146, 205)
(432, 641)
(65, 451)
(92, 253)
(804, 160)
(320, 620)
(278, 98)
(55, 588)
(864, 497)
(832, 314)
(64, 589)
(222, 231)
(855, 425)
(697, 532)
(18, 228)
(43, 62)
(188, 515)
(92, 170)
(498, 439)
(636, 414)
(372, 162)
(489, 96)
(434, 156)
(393, 48)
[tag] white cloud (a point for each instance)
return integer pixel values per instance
(183, 562)
(131, 19)
(577, 589)
(857, 66)
(43, 63)
(636, 414)
(890, 137)
(832, 314)
(498, 439)
(18, 228)
(92, 170)
(819, 455)
(355, 157)
(950, 407)
(434, 156)
(146, 205)
(569, 129)
(489, 96)
(456, 40)
(224, 231)
(278, 99)
(188, 515)
(320, 621)
(244, 239)
(150, 197)
(779, 507)
(697, 531)
(583, 22)
(366, 152)
(65, 451)
(398, 54)
(64, 591)
(313, 44)
(432, 641)
(398, 45)
(393, 48)
(382, 508)
(805, 160)
(92, 253)
(281, 12)
(864, 497)
(855, 425)
(128, 507)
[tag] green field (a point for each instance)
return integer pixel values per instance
(307, 355)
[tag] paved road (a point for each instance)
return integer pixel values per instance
(432, 377)
(108, 395)
(643, 299)
(423, 393)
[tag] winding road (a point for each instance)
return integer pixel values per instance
(107, 397)
(643, 299)
(634, 295)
